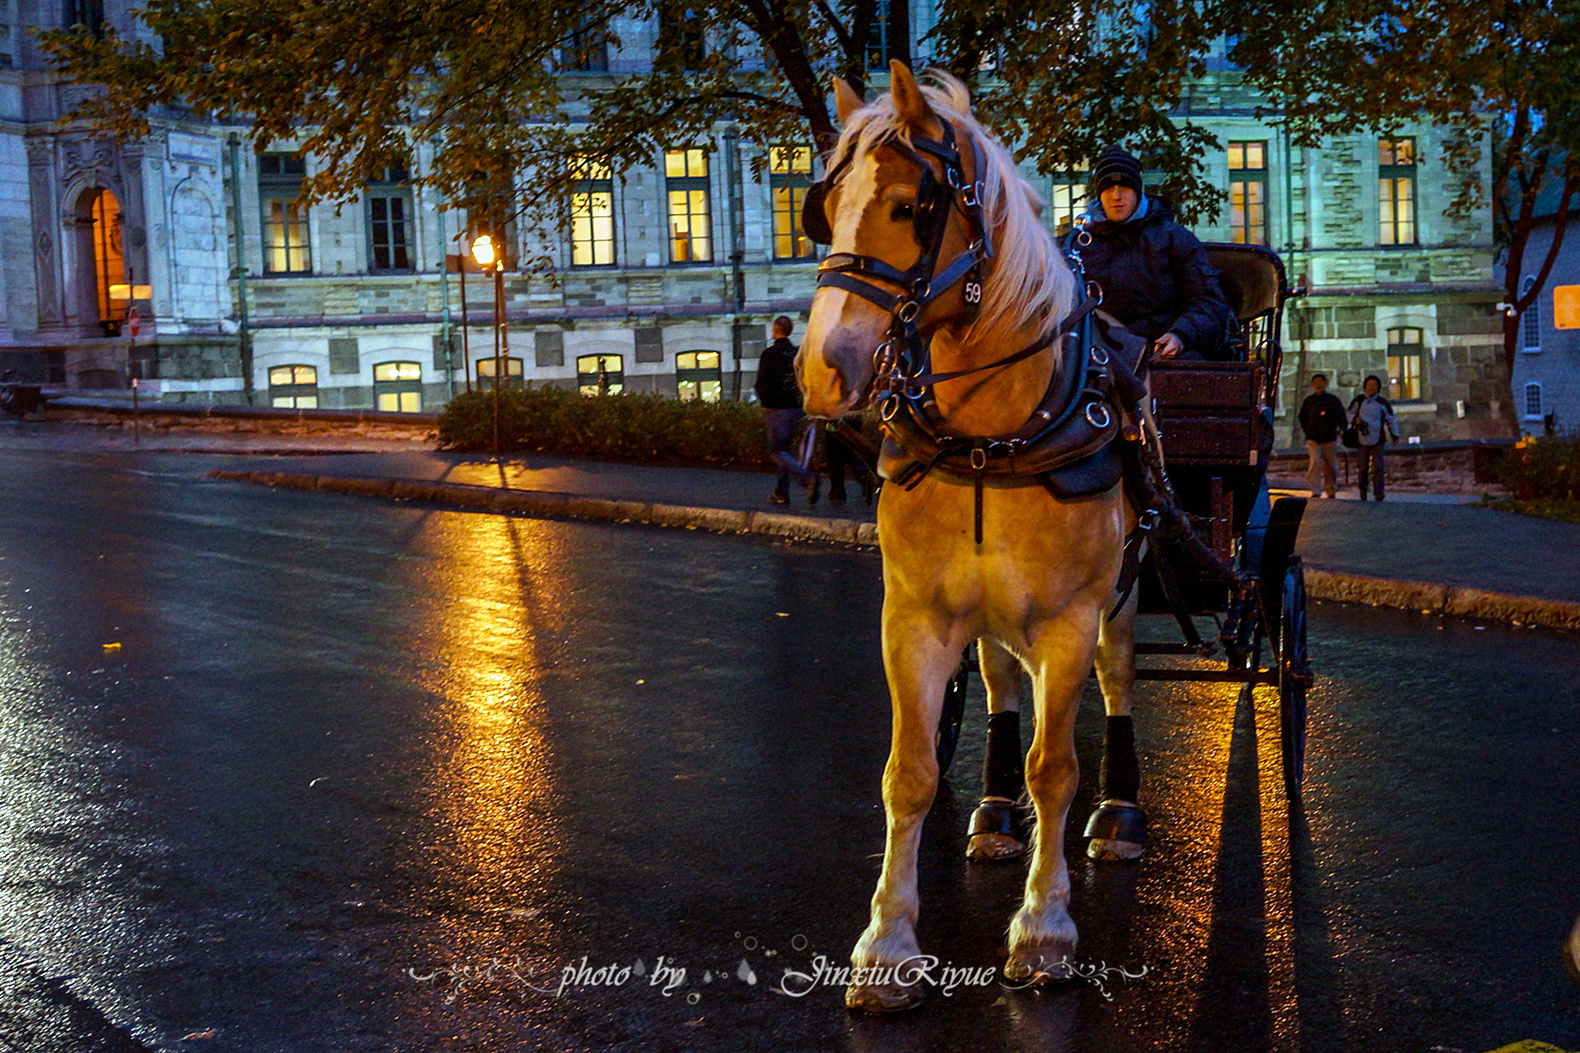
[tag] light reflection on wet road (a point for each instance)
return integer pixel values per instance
(342, 739)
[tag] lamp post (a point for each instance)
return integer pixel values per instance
(487, 254)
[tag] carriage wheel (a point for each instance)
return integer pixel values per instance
(1294, 676)
(954, 712)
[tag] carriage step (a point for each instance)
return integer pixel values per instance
(1176, 648)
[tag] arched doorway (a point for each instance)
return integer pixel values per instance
(103, 261)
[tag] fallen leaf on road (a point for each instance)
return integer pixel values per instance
(109, 647)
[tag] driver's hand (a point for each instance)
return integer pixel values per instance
(1169, 345)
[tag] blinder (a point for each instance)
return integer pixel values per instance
(814, 220)
(932, 199)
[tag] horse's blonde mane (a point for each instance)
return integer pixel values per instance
(1026, 281)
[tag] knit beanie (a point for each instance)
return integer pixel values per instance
(1116, 167)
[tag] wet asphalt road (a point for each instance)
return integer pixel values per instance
(344, 741)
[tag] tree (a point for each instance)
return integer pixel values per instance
(482, 78)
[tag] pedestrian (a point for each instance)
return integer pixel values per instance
(1371, 415)
(779, 394)
(842, 451)
(1321, 419)
(1153, 272)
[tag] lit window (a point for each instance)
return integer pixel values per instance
(285, 245)
(389, 221)
(1248, 193)
(1396, 191)
(592, 215)
(698, 375)
(397, 387)
(1067, 201)
(293, 387)
(1405, 365)
(1531, 320)
(686, 179)
(511, 379)
(1533, 402)
(600, 374)
(789, 176)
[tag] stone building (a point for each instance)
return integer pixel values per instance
(669, 278)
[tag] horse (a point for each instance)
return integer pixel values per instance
(1037, 587)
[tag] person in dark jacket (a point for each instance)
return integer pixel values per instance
(1153, 272)
(779, 394)
(1321, 419)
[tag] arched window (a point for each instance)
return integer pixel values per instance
(1531, 320)
(1533, 402)
(109, 264)
(293, 387)
(600, 374)
(397, 387)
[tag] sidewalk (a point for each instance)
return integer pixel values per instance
(1414, 551)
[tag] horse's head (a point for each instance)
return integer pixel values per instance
(918, 207)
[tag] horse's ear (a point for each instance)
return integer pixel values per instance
(846, 101)
(909, 101)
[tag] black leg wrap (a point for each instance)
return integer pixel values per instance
(1121, 774)
(1004, 763)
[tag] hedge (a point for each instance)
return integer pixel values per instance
(1548, 467)
(652, 429)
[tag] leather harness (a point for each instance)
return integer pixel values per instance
(1088, 431)
(1066, 442)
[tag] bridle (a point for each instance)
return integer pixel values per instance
(900, 364)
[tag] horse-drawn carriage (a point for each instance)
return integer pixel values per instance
(1216, 419)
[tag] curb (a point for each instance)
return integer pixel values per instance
(1426, 597)
(548, 503)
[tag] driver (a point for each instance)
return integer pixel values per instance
(1153, 272)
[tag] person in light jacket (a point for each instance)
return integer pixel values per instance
(1371, 415)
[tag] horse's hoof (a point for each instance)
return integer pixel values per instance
(884, 998)
(1118, 832)
(990, 848)
(1044, 963)
(996, 831)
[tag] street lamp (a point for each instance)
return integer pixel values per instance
(487, 255)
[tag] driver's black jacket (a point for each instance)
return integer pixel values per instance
(1156, 279)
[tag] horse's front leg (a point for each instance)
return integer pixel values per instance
(1118, 826)
(920, 651)
(1042, 936)
(997, 829)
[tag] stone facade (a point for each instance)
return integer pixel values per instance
(217, 325)
(1325, 218)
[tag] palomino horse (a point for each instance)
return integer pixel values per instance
(1035, 585)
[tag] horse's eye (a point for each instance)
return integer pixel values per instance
(903, 213)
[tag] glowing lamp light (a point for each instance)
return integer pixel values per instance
(483, 251)
(1566, 307)
(121, 291)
